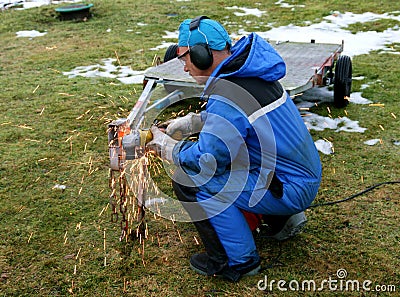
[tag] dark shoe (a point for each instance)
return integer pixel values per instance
(292, 227)
(201, 263)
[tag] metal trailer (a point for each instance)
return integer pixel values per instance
(308, 65)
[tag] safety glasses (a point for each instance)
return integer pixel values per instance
(183, 61)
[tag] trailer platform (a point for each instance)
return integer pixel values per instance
(308, 65)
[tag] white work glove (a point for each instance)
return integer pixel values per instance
(163, 143)
(185, 126)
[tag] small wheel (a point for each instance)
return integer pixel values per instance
(342, 81)
(171, 53)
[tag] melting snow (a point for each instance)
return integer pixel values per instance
(358, 77)
(168, 35)
(124, 74)
(333, 30)
(60, 187)
(31, 33)
(246, 11)
(324, 146)
(31, 3)
(319, 123)
(162, 45)
(171, 35)
(283, 4)
(356, 98)
(372, 141)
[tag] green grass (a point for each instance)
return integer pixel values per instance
(378, 26)
(53, 131)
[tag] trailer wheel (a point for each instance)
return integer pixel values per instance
(171, 53)
(342, 81)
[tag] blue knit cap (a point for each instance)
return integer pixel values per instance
(217, 37)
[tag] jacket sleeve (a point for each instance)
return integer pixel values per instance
(220, 141)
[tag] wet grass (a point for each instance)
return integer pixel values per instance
(53, 131)
(377, 26)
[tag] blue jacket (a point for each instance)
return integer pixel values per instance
(249, 141)
(254, 152)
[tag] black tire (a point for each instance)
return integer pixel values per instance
(342, 81)
(171, 53)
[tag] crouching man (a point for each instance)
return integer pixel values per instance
(254, 155)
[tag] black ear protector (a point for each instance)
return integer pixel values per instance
(200, 54)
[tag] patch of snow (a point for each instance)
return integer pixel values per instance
(31, 3)
(59, 187)
(319, 123)
(356, 98)
(372, 141)
(171, 35)
(358, 78)
(162, 45)
(389, 52)
(107, 69)
(283, 4)
(246, 11)
(333, 30)
(324, 146)
(30, 34)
